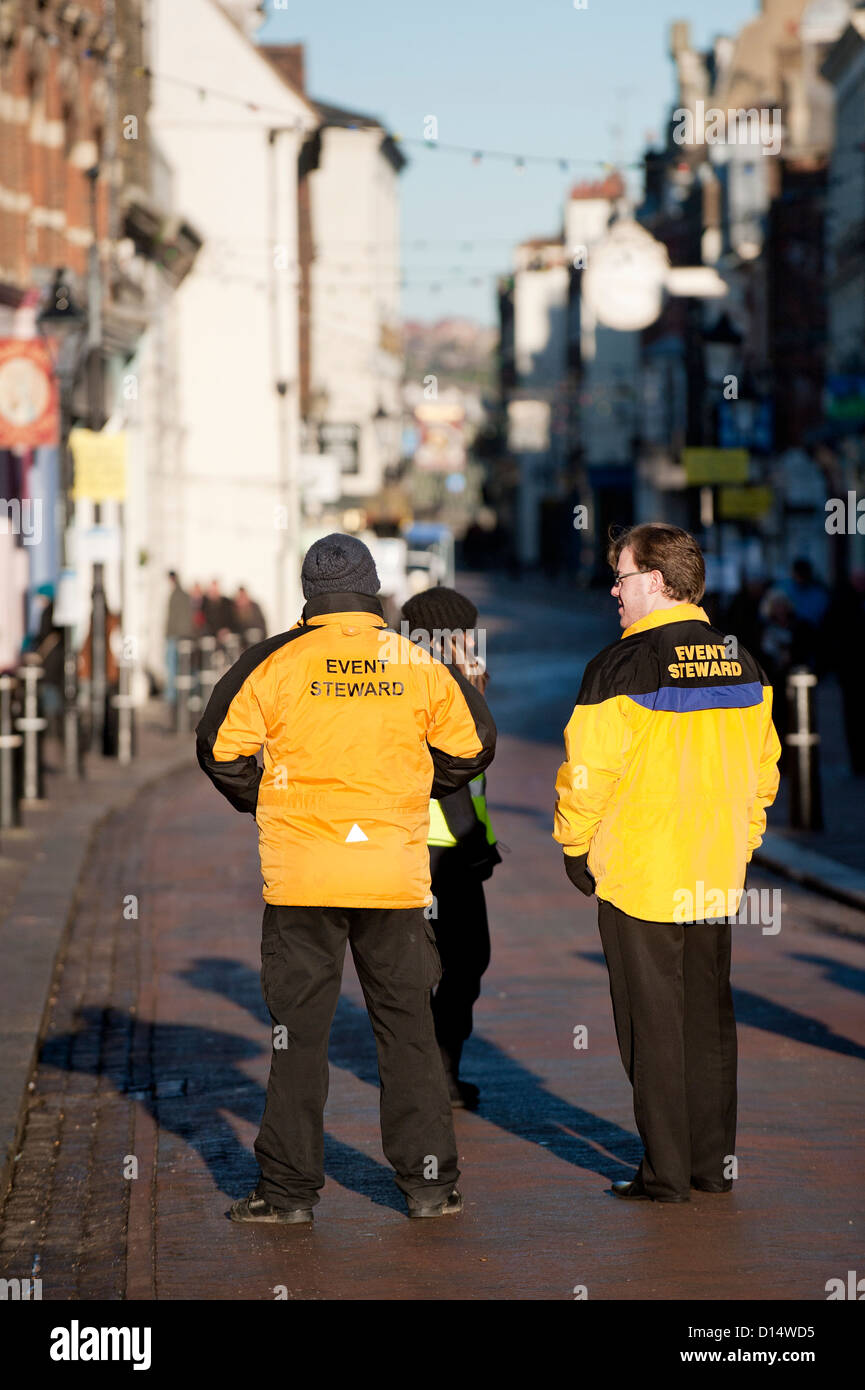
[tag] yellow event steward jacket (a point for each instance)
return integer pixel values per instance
(671, 761)
(359, 728)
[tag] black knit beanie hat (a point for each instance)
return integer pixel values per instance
(440, 608)
(339, 564)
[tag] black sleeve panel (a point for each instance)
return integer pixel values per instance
(451, 773)
(237, 779)
(459, 812)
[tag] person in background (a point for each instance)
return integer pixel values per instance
(742, 614)
(810, 601)
(248, 619)
(113, 655)
(46, 646)
(199, 617)
(845, 643)
(178, 624)
(218, 612)
(462, 846)
(786, 641)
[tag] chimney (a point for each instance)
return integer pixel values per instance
(288, 59)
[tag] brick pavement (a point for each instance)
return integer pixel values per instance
(40, 865)
(157, 1048)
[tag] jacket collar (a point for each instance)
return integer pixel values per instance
(329, 607)
(681, 613)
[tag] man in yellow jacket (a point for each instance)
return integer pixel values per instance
(358, 727)
(671, 761)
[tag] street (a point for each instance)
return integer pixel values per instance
(150, 1082)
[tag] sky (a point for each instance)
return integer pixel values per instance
(524, 76)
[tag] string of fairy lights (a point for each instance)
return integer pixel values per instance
(369, 280)
(366, 280)
(520, 160)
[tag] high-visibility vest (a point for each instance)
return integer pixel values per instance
(440, 832)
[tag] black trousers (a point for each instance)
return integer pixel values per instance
(302, 953)
(463, 938)
(676, 1030)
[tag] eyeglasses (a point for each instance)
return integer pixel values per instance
(617, 578)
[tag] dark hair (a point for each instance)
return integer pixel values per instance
(671, 550)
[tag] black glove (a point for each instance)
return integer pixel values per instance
(577, 871)
(476, 855)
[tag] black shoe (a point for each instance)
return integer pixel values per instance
(448, 1206)
(255, 1208)
(635, 1192)
(463, 1095)
(712, 1186)
(631, 1191)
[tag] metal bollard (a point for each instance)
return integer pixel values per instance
(806, 808)
(73, 744)
(208, 674)
(98, 662)
(10, 742)
(31, 725)
(231, 648)
(124, 703)
(182, 704)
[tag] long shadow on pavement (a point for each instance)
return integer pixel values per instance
(514, 1098)
(191, 1077)
(760, 1012)
(837, 972)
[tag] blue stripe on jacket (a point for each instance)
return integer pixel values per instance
(679, 699)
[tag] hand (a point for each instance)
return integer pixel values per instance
(576, 867)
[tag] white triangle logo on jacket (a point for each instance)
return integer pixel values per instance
(355, 834)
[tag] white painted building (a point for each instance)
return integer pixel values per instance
(355, 341)
(609, 359)
(221, 501)
(540, 347)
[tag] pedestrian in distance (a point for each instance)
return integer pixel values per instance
(46, 646)
(359, 728)
(249, 621)
(462, 846)
(178, 624)
(218, 612)
(670, 763)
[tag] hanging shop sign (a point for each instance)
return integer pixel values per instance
(100, 465)
(706, 467)
(29, 398)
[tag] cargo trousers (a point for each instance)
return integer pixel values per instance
(394, 952)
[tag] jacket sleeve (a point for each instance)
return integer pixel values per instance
(459, 813)
(597, 740)
(231, 732)
(768, 776)
(461, 735)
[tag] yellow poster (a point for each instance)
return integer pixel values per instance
(707, 466)
(100, 465)
(744, 503)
